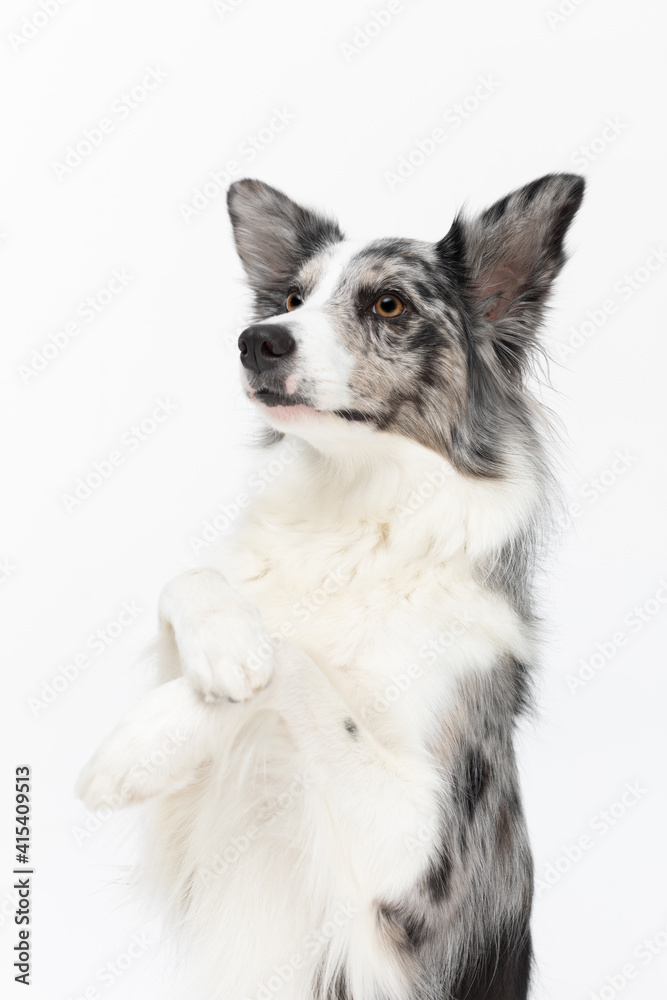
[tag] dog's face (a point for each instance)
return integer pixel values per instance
(425, 340)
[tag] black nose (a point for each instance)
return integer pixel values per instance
(264, 345)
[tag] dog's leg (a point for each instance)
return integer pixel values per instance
(155, 749)
(379, 799)
(212, 634)
(217, 634)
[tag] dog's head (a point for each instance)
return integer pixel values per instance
(430, 341)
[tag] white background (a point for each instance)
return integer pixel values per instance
(556, 79)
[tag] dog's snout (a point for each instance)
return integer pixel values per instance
(264, 345)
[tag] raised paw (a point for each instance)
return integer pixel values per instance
(222, 643)
(155, 750)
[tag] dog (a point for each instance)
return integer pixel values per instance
(337, 815)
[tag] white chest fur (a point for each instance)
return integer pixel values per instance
(369, 566)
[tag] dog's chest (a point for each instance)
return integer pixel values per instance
(360, 594)
(302, 576)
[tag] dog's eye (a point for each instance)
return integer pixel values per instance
(388, 306)
(294, 300)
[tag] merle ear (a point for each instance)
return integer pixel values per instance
(274, 235)
(508, 257)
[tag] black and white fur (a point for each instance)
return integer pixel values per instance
(342, 818)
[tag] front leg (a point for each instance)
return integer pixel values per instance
(378, 800)
(156, 749)
(222, 644)
(218, 640)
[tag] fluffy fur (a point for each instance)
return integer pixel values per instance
(340, 818)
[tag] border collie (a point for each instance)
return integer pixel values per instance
(335, 806)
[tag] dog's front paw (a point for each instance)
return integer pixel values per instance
(105, 781)
(154, 751)
(222, 643)
(221, 653)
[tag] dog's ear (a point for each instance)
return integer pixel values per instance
(274, 235)
(507, 258)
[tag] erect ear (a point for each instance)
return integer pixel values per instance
(507, 258)
(274, 235)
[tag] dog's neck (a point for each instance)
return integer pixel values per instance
(415, 492)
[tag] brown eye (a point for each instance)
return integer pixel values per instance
(388, 306)
(294, 300)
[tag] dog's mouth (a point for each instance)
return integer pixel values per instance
(293, 406)
(271, 398)
(283, 409)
